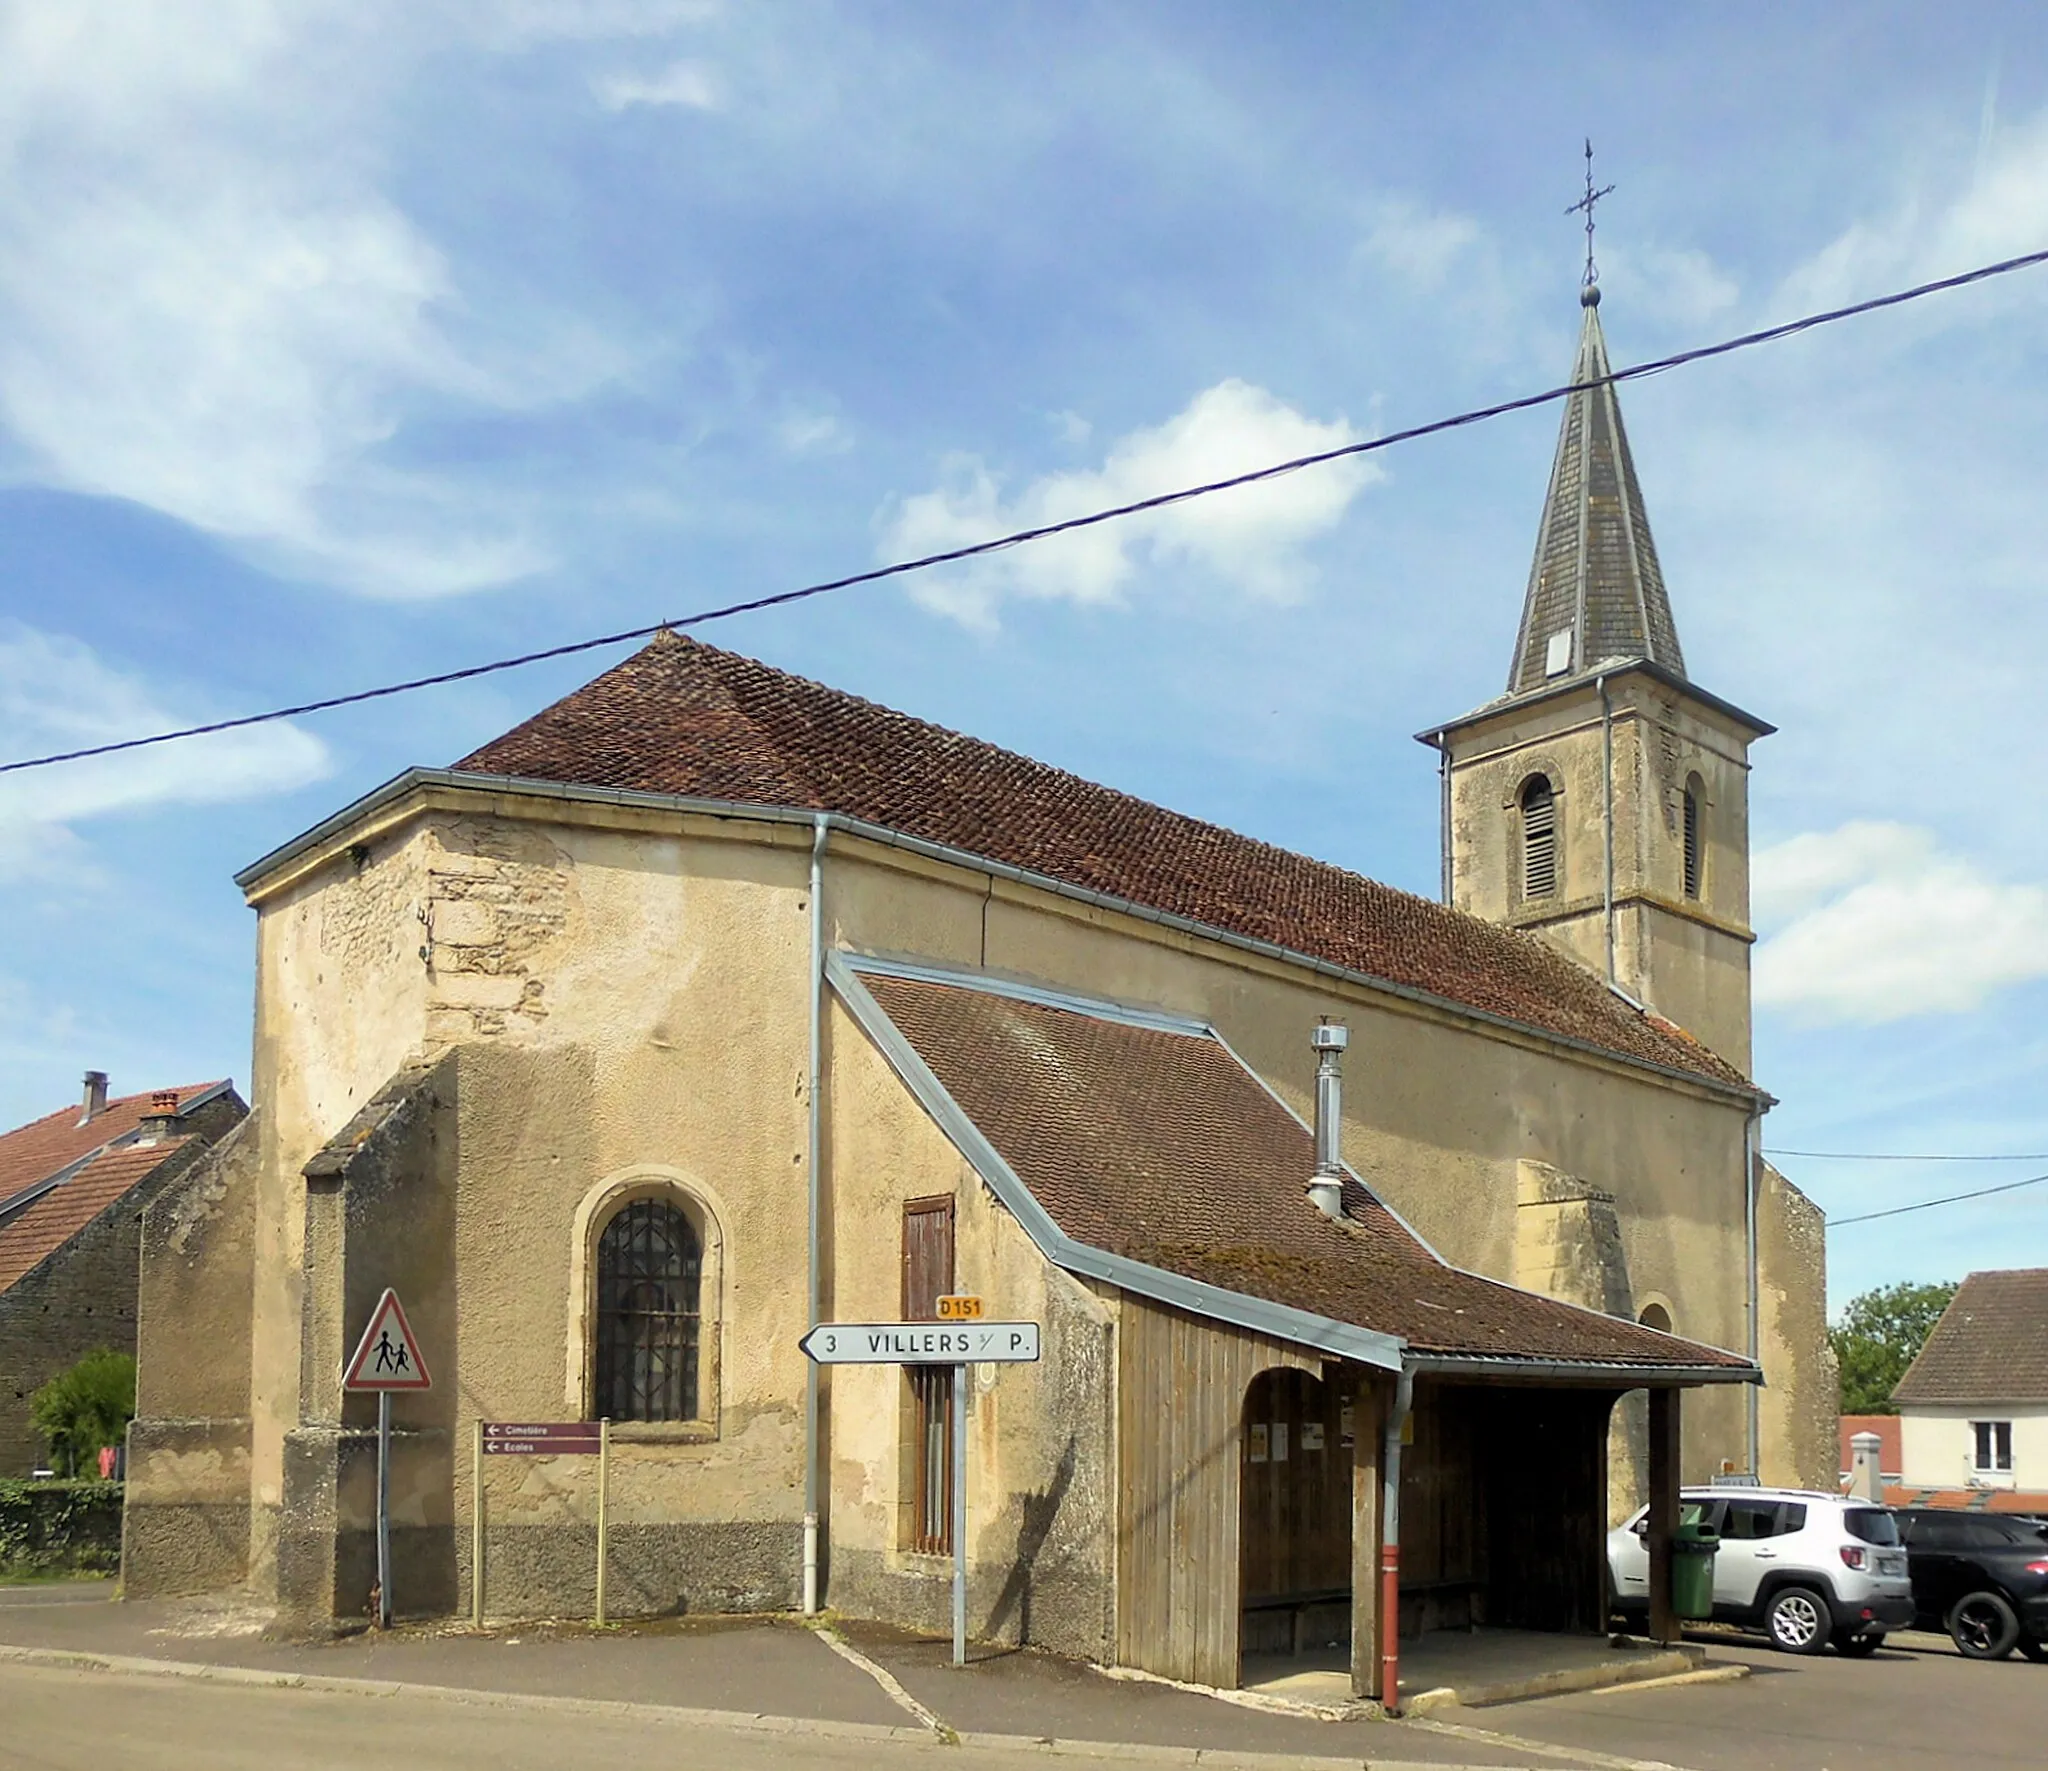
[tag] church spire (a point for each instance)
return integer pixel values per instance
(1595, 588)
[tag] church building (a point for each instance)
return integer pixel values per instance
(1383, 1250)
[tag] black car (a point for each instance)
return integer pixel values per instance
(1981, 1577)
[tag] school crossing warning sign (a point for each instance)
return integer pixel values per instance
(387, 1357)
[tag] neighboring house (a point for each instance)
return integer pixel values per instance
(73, 1185)
(1973, 1407)
(710, 1002)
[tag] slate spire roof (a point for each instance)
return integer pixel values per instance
(1595, 579)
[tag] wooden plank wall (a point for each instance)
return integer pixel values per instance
(1297, 1502)
(1181, 1386)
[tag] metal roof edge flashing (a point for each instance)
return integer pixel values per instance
(1019, 990)
(1643, 1376)
(1324, 1334)
(397, 787)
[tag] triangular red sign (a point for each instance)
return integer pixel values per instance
(387, 1357)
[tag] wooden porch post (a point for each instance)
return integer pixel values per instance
(1367, 1411)
(1663, 1516)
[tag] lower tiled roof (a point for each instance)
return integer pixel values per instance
(1161, 1146)
(1990, 1346)
(681, 717)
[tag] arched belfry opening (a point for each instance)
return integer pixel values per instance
(1294, 1511)
(1539, 838)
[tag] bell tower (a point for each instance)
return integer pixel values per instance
(1602, 802)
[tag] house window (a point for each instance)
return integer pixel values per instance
(650, 1264)
(928, 1410)
(1694, 793)
(1994, 1446)
(1539, 838)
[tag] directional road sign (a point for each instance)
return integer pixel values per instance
(387, 1357)
(555, 1438)
(922, 1343)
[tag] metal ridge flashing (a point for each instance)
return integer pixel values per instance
(413, 779)
(1322, 1333)
(1018, 990)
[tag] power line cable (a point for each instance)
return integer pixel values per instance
(1895, 1156)
(1018, 538)
(1930, 1204)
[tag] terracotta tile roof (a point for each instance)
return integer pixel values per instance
(1161, 1146)
(1968, 1500)
(685, 718)
(1991, 1344)
(33, 1153)
(1890, 1459)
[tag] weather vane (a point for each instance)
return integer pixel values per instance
(1585, 205)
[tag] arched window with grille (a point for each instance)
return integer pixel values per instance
(1539, 838)
(1694, 851)
(650, 1263)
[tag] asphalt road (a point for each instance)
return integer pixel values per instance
(1915, 1707)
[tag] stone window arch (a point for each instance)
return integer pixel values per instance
(1541, 844)
(645, 1306)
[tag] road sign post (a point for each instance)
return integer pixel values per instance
(962, 1340)
(387, 1358)
(551, 1438)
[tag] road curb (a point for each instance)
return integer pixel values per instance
(1128, 1752)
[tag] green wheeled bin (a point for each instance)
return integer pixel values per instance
(1692, 1570)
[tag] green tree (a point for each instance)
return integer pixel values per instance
(82, 1409)
(1876, 1337)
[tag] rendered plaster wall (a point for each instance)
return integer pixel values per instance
(1938, 1446)
(186, 1518)
(1798, 1440)
(1040, 1507)
(340, 1006)
(1688, 959)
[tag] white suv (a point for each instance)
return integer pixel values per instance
(1805, 1568)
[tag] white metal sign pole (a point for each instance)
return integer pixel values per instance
(383, 1509)
(960, 1514)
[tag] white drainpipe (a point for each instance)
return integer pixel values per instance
(814, 1138)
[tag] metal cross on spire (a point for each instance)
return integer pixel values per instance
(1585, 205)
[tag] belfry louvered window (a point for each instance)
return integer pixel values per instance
(1692, 837)
(1539, 839)
(650, 1264)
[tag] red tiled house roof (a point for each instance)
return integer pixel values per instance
(1159, 1146)
(1886, 1427)
(680, 717)
(105, 1162)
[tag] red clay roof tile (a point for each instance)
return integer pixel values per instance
(685, 718)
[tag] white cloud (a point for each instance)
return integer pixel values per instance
(813, 433)
(208, 304)
(57, 694)
(1249, 539)
(1999, 213)
(686, 83)
(1421, 246)
(1875, 924)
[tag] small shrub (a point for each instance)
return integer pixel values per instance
(83, 1409)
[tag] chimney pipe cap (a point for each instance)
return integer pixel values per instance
(1329, 1036)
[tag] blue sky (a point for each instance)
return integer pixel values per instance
(341, 343)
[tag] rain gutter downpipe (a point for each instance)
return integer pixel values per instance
(1390, 1543)
(1607, 814)
(1752, 1178)
(1443, 815)
(820, 826)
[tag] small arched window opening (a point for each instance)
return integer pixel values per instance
(1693, 850)
(650, 1265)
(1539, 838)
(1657, 1317)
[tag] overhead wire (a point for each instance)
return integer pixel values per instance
(1020, 537)
(1898, 1211)
(1896, 1156)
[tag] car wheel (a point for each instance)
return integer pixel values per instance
(2032, 1649)
(1983, 1627)
(1859, 1647)
(1797, 1621)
